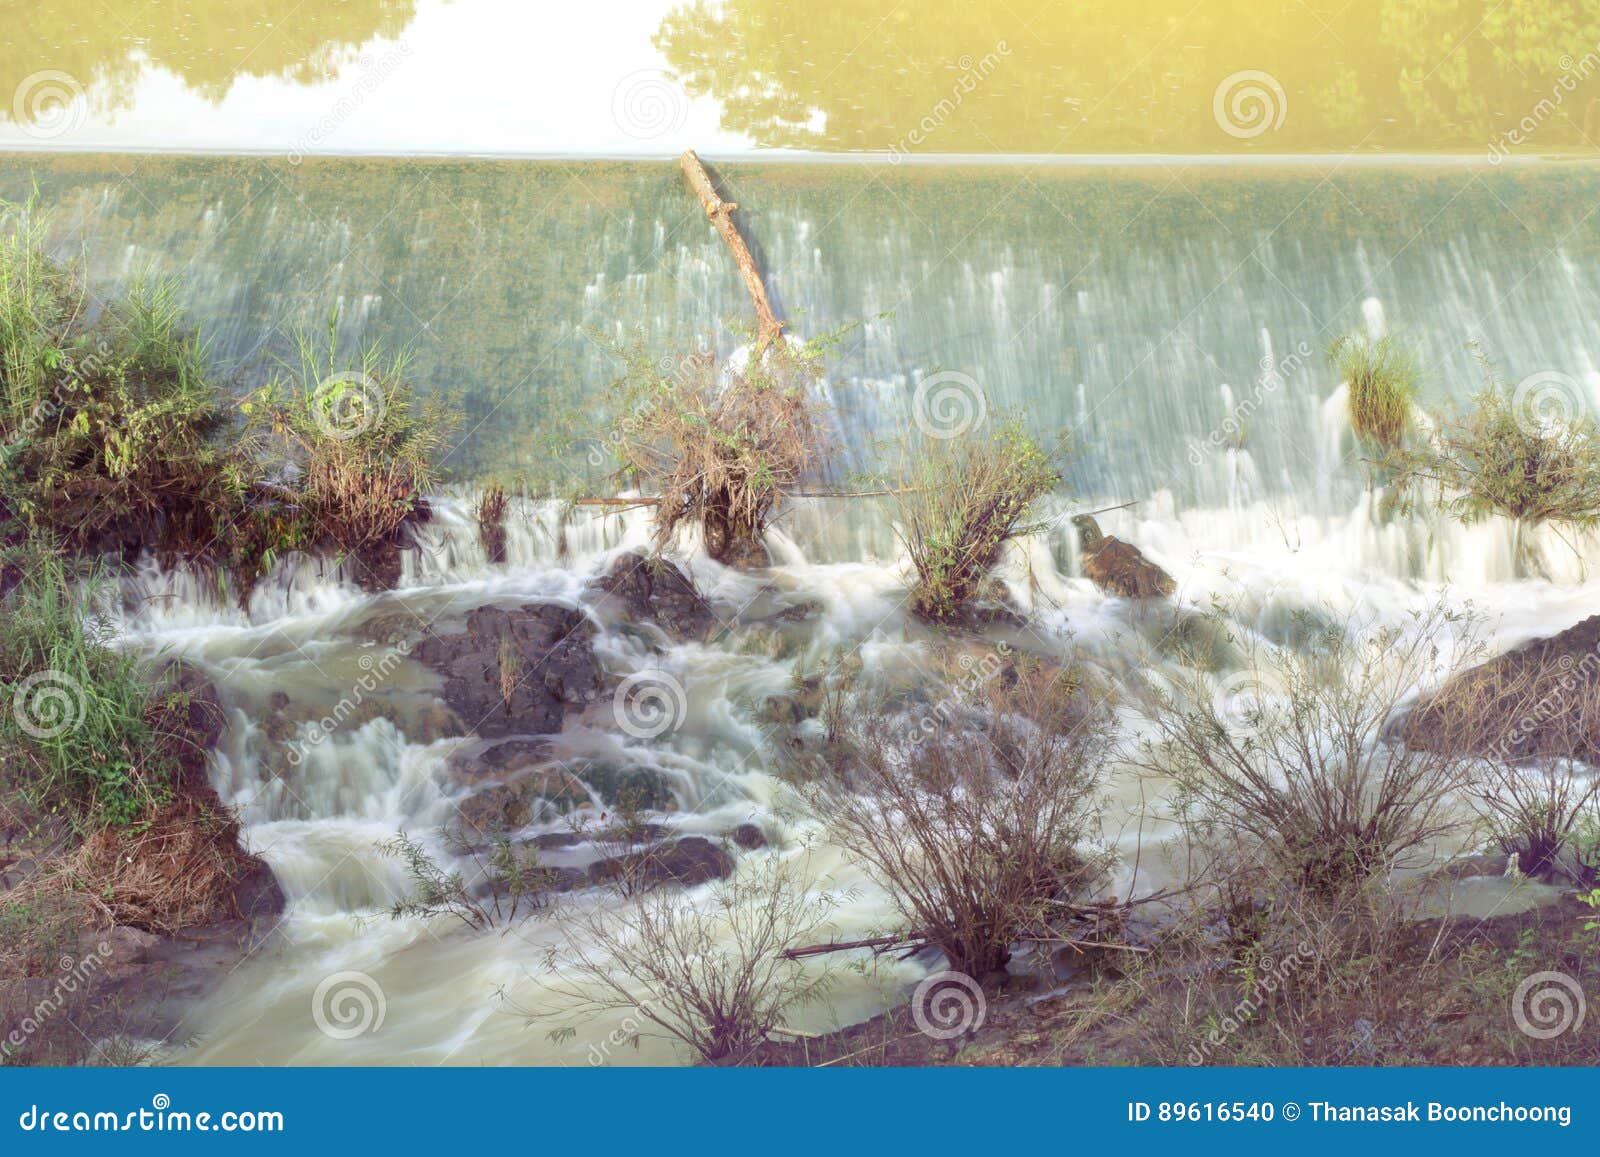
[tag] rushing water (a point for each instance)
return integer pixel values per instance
(453, 996)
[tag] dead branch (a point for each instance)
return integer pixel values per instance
(878, 944)
(721, 214)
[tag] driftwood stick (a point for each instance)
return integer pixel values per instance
(627, 502)
(1109, 509)
(769, 328)
(877, 943)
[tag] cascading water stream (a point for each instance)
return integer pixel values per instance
(1180, 342)
(319, 818)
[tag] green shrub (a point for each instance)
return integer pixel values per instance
(107, 420)
(956, 504)
(361, 447)
(78, 733)
(1490, 460)
(1382, 382)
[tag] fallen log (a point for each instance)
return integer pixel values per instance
(769, 328)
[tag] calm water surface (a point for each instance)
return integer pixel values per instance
(647, 77)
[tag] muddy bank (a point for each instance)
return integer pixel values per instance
(111, 934)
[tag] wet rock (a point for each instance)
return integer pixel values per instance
(557, 841)
(1535, 700)
(804, 701)
(516, 671)
(120, 945)
(686, 862)
(518, 778)
(1470, 867)
(628, 787)
(258, 898)
(1119, 568)
(474, 764)
(525, 796)
(649, 588)
(749, 837)
(192, 701)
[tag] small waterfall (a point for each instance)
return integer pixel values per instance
(1182, 352)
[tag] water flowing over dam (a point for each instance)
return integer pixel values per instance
(1171, 320)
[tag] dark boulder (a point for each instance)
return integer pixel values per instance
(648, 588)
(518, 670)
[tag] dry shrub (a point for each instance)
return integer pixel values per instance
(492, 505)
(39, 924)
(1535, 812)
(1299, 767)
(181, 866)
(957, 503)
(977, 829)
(507, 884)
(707, 968)
(1269, 972)
(722, 445)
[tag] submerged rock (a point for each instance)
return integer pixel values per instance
(686, 862)
(517, 782)
(516, 671)
(649, 588)
(749, 837)
(1119, 568)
